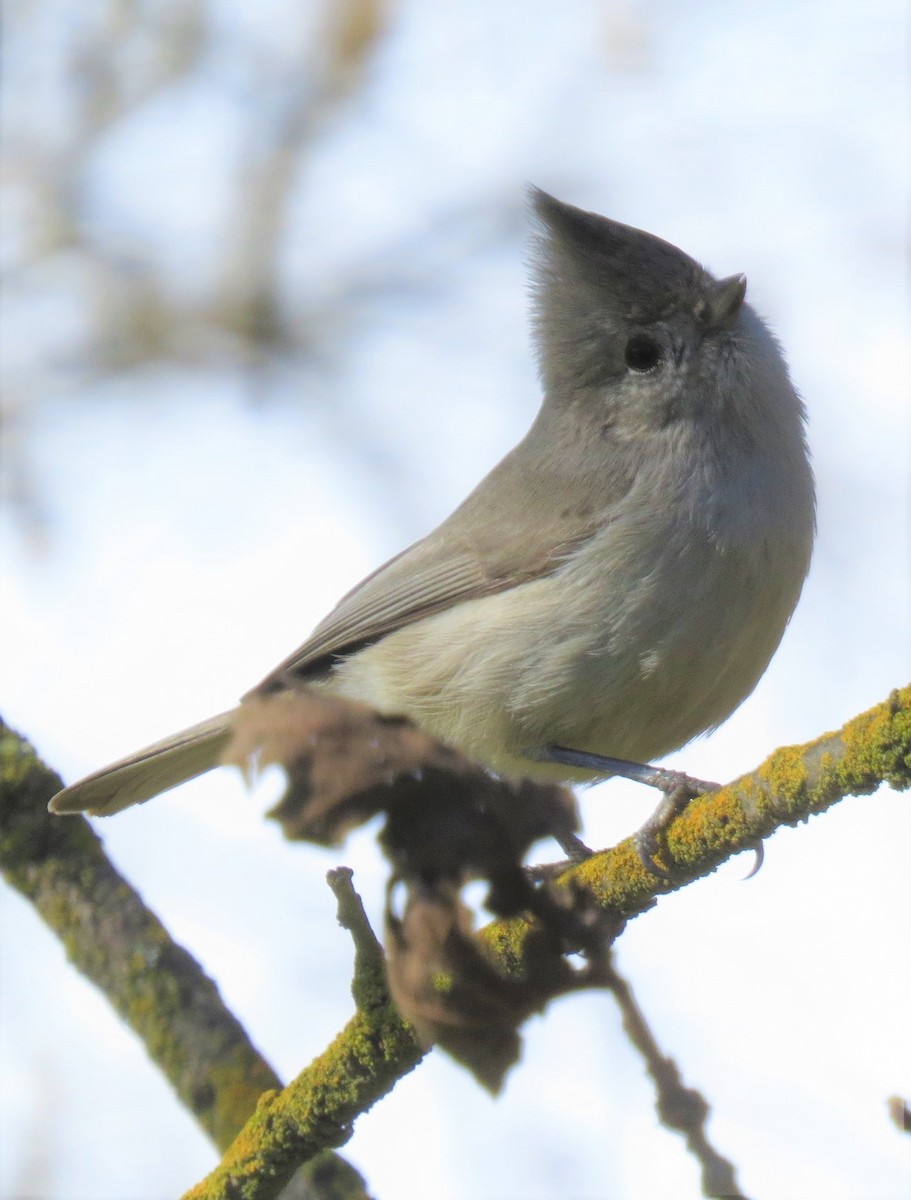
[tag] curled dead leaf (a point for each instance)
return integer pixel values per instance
(455, 996)
(346, 762)
(447, 821)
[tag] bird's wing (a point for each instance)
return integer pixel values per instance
(534, 510)
(429, 577)
(414, 584)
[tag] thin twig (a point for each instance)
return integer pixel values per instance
(680, 1108)
(318, 1109)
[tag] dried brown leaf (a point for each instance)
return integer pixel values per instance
(455, 996)
(345, 763)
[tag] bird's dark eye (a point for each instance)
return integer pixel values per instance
(642, 353)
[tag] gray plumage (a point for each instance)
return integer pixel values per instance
(620, 581)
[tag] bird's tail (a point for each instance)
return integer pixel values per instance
(145, 774)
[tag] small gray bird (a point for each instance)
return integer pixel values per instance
(620, 581)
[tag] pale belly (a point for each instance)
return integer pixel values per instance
(566, 660)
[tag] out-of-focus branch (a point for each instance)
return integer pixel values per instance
(118, 943)
(680, 1108)
(900, 1112)
(247, 300)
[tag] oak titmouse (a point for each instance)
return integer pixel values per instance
(619, 582)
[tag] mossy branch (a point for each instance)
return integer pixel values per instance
(376, 1048)
(793, 784)
(363, 1061)
(318, 1108)
(121, 946)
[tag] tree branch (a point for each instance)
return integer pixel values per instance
(680, 1108)
(121, 946)
(375, 1048)
(793, 784)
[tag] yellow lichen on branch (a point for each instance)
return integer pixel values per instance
(121, 946)
(793, 784)
(316, 1110)
(50, 860)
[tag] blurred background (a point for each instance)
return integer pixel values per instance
(264, 323)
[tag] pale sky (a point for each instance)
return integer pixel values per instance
(197, 536)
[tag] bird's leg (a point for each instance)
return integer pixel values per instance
(678, 790)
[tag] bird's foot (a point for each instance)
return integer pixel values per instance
(678, 790)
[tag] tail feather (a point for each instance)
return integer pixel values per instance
(149, 771)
